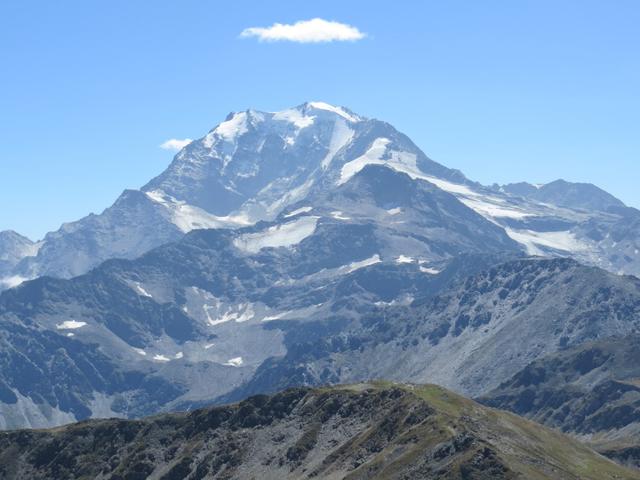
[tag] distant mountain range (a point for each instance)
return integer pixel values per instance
(314, 246)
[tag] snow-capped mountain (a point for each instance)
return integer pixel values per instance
(247, 169)
(285, 247)
(254, 165)
(584, 223)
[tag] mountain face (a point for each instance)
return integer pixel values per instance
(469, 336)
(223, 314)
(254, 165)
(356, 432)
(591, 391)
(191, 321)
(133, 225)
(247, 169)
(305, 247)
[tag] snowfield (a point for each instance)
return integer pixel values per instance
(535, 241)
(298, 211)
(187, 217)
(341, 137)
(352, 267)
(70, 325)
(284, 235)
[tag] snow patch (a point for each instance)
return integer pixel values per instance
(298, 212)
(487, 209)
(352, 267)
(403, 300)
(284, 235)
(70, 325)
(404, 259)
(223, 314)
(234, 362)
(141, 290)
(429, 270)
(179, 355)
(450, 187)
(160, 358)
(277, 316)
(139, 351)
(394, 211)
(536, 241)
(339, 216)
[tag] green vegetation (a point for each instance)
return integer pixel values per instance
(378, 430)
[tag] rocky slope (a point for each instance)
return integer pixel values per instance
(469, 337)
(591, 391)
(133, 225)
(360, 431)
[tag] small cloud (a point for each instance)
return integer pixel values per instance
(175, 144)
(316, 30)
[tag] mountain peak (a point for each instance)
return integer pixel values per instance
(326, 107)
(256, 163)
(237, 124)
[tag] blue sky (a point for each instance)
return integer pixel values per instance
(502, 90)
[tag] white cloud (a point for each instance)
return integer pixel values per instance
(175, 144)
(315, 30)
